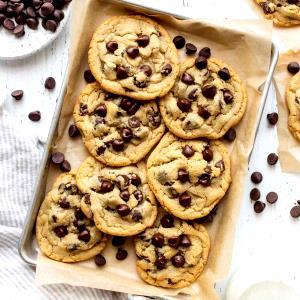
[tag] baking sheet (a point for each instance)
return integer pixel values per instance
(289, 147)
(246, 46)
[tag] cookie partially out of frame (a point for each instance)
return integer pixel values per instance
(171, 253)
(120, 200)
(207, 99)
(133, 56)
(189, 177)
(282, 12)
(62, 230)
(117, 130)
(293, 102)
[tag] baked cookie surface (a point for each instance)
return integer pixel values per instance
(171, 253)
(282, 12)
(117, 130)
(207, 99)
(293, 101)
(62, 230)
(189, 177)
(120, 201)
(133, 56)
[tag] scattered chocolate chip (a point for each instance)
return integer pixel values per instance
(118, 241)
(166, 69)
(111, 46)
(158, 240)
(58, 15)
(179, 41)
(101, 110)
(293, 67)
(184, 241)
(184, 104)
(259, 206)
(34, 116)
(106, 186)
(121, 254)
(100, 260)
(73, 131)
(205, 52)
(61, 231)
(205, 180)
(209, 91)
(230, 135)
(135, 179)
(173, 241)
(47, 9)
(57, 158)
(123, 210)
(185, 199)
(8, 24)
(272, 197)
(132, 52)
(295, 211)
(17, 94)
(256, 177)
(121, 72)
(160, 261)
(19, 30)
(183, 175)
(118, 145)
(203, 112)
(50, 83)
(136, 216)
(272, 159)
(201, 62)
(65, 166)
(178, 260)
(146, 69)
(188, 151)
(207, 154)
(187, 78)
(51, 25)
(143, 40)
(63, 203)
(190, 48)
(84, 236)
(167, 221)
(254, 194)
(272, 118)
(88, 76)
(31, 23)
(224, 74)
(228, 97)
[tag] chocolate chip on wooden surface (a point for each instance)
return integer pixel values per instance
(34, 116)
(50, 83)
(272, 118)
(100, 260)
(17, 94)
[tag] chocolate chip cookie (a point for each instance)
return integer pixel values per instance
(120, 199)
(189, 177)
(133, 56)
(207, 99)
(293, 101)
(62, 230)
(282, 12)
(171, 254)
(117, 130)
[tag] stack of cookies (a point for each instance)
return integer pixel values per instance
(151, 125)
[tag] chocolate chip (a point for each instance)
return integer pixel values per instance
(101, 110)
(254, 194)
(259, 206)
(136, 216)
(51, 25)
(34, 116)
(188, 151)
(230, 135)
(201, 62)
(272, 159)
(57, 158)
(79, 215)
(65, 166)
(185, 199)
(178, 260)
(106, 186)
(134, 122)
(295, 211)
(205, 52)
(19, 31)
(173, 241)
(272, 118)
(293, 67)
(123, 210)
(132, 52)
(204, 180)
(126, 134)
(17, 94)
(83, 109)
(50, 83)
(87, 199)
(129, 105)
(118, 145)
(179, 41)
(100, 260)
(183, 175)
(220, 164)
(224, 74)
(63, 203)
(265, 7)
(203, 112)
(184, 104)
(84, 236)
(166, 69)
(190, 48)
(293, 1)
(121, 254)
(228, 97)
(111, 46)
(135, 179)
(192, 95)
(61, 231)
(122, 72)
(138, 195)
(143, 40)
(58, 15)
(118, 241)
(207, 154)
(167, 221)
(73, 131)
(155, 119)
(272, 197)
(187, 78)
(158, 240)
(88, 76)
(47, 9)
(146, 69)
(256, 177)
(100, 150)
(8, 24)
(209, 91)
(125, 195)
(122, 181)
(32, 23)
(184, 241)
(160, 261)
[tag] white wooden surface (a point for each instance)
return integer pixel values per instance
(269, 241)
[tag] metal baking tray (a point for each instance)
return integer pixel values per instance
(28, 248)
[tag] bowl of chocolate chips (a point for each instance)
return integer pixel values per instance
(27, 26)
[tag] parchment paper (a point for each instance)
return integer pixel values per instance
(289, 147)
(246, 46)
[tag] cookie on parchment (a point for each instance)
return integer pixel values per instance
(189, 177)
(207, 99)
(293, 102)
(117, 130)
(171, 253)
(62, 230)
(120, 200)
(133, 56)
(282, 12)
